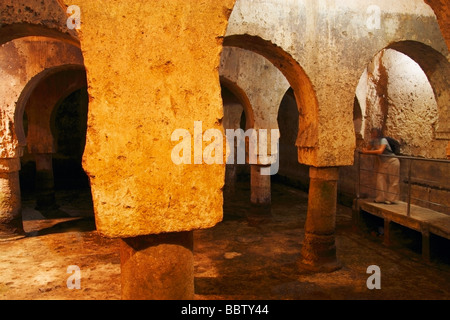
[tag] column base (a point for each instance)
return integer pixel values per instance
(158, 267)
(318, 254)
(322, 268)
(259, 214)
(261, 210)
(12, 230)
(11, 226)
(260, 185)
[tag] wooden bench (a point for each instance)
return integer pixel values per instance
(423, 220)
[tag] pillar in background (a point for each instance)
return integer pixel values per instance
(261, 198)
(158, 267)
(45, 184)
(11, 226)
(319, 249)
(230, 180)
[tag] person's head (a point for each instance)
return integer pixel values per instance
(376, 133)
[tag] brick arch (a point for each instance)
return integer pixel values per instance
(305, 96)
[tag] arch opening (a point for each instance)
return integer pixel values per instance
(38, 123)
(52, 172)
(437, 69)
(404, 90)
(405, 93)
(233, 90)
(291, 172)
(307, 138)
(29, 88)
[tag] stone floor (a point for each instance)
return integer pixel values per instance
(242, 258)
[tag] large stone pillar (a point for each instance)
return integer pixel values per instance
(158, 267)
(154, 82)
(11, 226)
(319, 250)
(45, 183)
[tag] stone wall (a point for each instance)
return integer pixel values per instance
(413, 111)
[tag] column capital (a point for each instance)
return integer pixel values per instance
(9, 165)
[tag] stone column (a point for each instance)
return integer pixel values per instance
(261, 198)
(230, 180)
(319, 250)
(11, 226)
(158, 267)
(45, 184)
(138, 190)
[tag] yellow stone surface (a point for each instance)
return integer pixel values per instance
(152, 68)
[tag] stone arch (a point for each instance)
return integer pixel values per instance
(303, 89)
(68, 128)
(242, 97)
(52, 88)
(285, 110)
(46, 18)
(25, 62)
(437, 69)
(291, 172)
(22, 30)
(265, 87)
(29, 89)
(76, 87)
